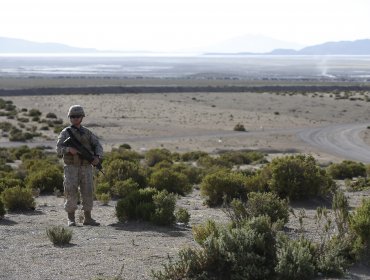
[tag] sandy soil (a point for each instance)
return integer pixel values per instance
(205, 121)
(179, 122)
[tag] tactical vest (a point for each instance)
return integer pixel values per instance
(85, 141)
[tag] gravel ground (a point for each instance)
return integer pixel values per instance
(130, 250)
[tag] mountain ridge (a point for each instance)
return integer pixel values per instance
(14, 45)
(356, 47)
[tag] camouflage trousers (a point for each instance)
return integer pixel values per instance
(78, 176)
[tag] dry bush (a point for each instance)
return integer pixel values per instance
(59, 235)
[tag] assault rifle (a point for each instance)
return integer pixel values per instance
(83, 151)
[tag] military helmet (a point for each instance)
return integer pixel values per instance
(76, 110)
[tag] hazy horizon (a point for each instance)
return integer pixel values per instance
(179, 25)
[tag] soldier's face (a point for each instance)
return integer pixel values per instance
(75, 120)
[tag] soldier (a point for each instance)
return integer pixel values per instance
(78, 172)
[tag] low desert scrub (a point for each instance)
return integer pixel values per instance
(295, 259)
(120, 170)
(242, 157)
(259, 204)
(253, 247)
(104, 198)
(223, 255)
(101, 188)
(193, 155)
(347, 170)
(164, 203)
(358, 184)
(298, 177)
(34, 113)
(360, 222)
(122, 154)
(122, 188)
(6, 183)
(182, 216)
(5, 126)
(46, 179)
(18, 198)
(171, 181)
(239, 127)
(149, 205)
(51, 115)
(154, 156)
(193, 173)
(2, 209)
(223, 185)
(59, 235)
(16, 134)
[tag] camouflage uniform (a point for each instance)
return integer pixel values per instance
(78, 172)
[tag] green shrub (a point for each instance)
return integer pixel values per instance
(241, 157)
(51, 116)
(259, 181)
(147, 204)
(19, 151)
(166, 179)
(239, 127)
(360, 222)
(223, 184)
(359, 184)
(193, 174)
(125, 146)
(46, 180)
(298, 177)
(260, 204)
(122, 154)
(182, 216)
(123, 188)
(17, 135)
(334, 257)
(59, 235)
(103, 188)
(347, 169)
(2, 209)
(120, 170)
(295, 260)
(248, 252)
(154, 156)
(23, 120)
(34, 113)
(18, 198)
(203, 231)
(104, 198)
(6, 183)
(193, 156)
(164, 203)
(5, 126)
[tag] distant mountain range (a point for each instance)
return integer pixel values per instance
(11, 45)
(252, 44)
(358, 47)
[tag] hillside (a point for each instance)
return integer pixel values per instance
(11, 45)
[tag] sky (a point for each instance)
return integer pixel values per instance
(180, 25)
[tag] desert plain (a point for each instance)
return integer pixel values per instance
(277, 123)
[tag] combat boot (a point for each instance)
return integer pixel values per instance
(71, 219)
(88, 220)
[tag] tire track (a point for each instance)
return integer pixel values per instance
(341, 140)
